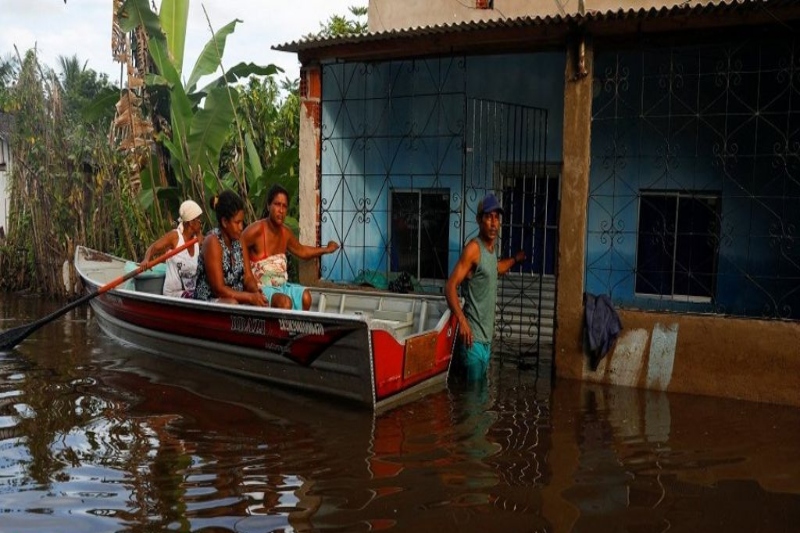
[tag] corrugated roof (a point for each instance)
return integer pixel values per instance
(563, 22)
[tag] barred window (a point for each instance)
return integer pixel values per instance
(419, 232)
(677, 245)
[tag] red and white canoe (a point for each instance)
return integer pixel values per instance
(372, 347)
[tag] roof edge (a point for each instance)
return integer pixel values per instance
(557, 24)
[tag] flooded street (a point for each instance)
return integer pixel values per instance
(96, 436)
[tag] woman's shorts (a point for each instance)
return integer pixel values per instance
(292, 290)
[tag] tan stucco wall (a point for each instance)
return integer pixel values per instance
(385, 15)
(748, 359)
(574, 199)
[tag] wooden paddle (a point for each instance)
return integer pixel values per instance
(12, 337)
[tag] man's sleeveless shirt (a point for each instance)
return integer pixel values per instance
(480, 295)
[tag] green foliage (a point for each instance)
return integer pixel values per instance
(200, 120)
(173, 16)
(340, 25)
(66, 186)
(82, 87)
(9, 69)
(211, 56)
(270, 130)
(238, 131)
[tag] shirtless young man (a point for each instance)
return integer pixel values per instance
(267, 240)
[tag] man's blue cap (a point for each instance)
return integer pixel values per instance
(489, 204)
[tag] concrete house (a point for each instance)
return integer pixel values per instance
(646, 151)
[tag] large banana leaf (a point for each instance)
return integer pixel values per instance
(253, 161)
(139, 12)
(134, 13)
(179, 159)
(210, 127)
(174, 15)
(211, 57)
(200, 120)
(166, 69)
(239, 71)
(180, 105)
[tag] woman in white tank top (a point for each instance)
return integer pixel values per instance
(181, 267)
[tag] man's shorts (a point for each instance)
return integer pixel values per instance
(292, 290)
(473, 362)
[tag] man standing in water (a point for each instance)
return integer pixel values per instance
(478, 269)
(267, 241)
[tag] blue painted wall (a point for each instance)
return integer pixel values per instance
(400, 125)
(719, 118)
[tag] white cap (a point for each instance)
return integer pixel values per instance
(189, 211)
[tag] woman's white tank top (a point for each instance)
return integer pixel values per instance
(181, 270)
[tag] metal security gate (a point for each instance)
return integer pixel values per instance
(505, 153)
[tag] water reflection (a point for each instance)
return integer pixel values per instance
(96, 436)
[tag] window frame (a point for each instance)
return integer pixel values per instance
(419, 192)
(678, 194)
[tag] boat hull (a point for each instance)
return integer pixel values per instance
(344, 355)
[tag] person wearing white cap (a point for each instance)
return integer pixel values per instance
(181, 267)
(476, 272)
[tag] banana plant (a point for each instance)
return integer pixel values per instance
(199, 119)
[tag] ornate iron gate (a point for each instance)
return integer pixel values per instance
(505, 153)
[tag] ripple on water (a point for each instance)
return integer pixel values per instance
(99, 437)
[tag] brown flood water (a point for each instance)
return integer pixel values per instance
(96, 436)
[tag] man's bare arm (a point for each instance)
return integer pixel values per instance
(466, 263)
(504, 265)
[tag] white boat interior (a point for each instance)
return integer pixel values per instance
(404, 315)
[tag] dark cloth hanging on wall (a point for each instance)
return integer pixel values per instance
(602, 325)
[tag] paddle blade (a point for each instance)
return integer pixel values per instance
(13, 336)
